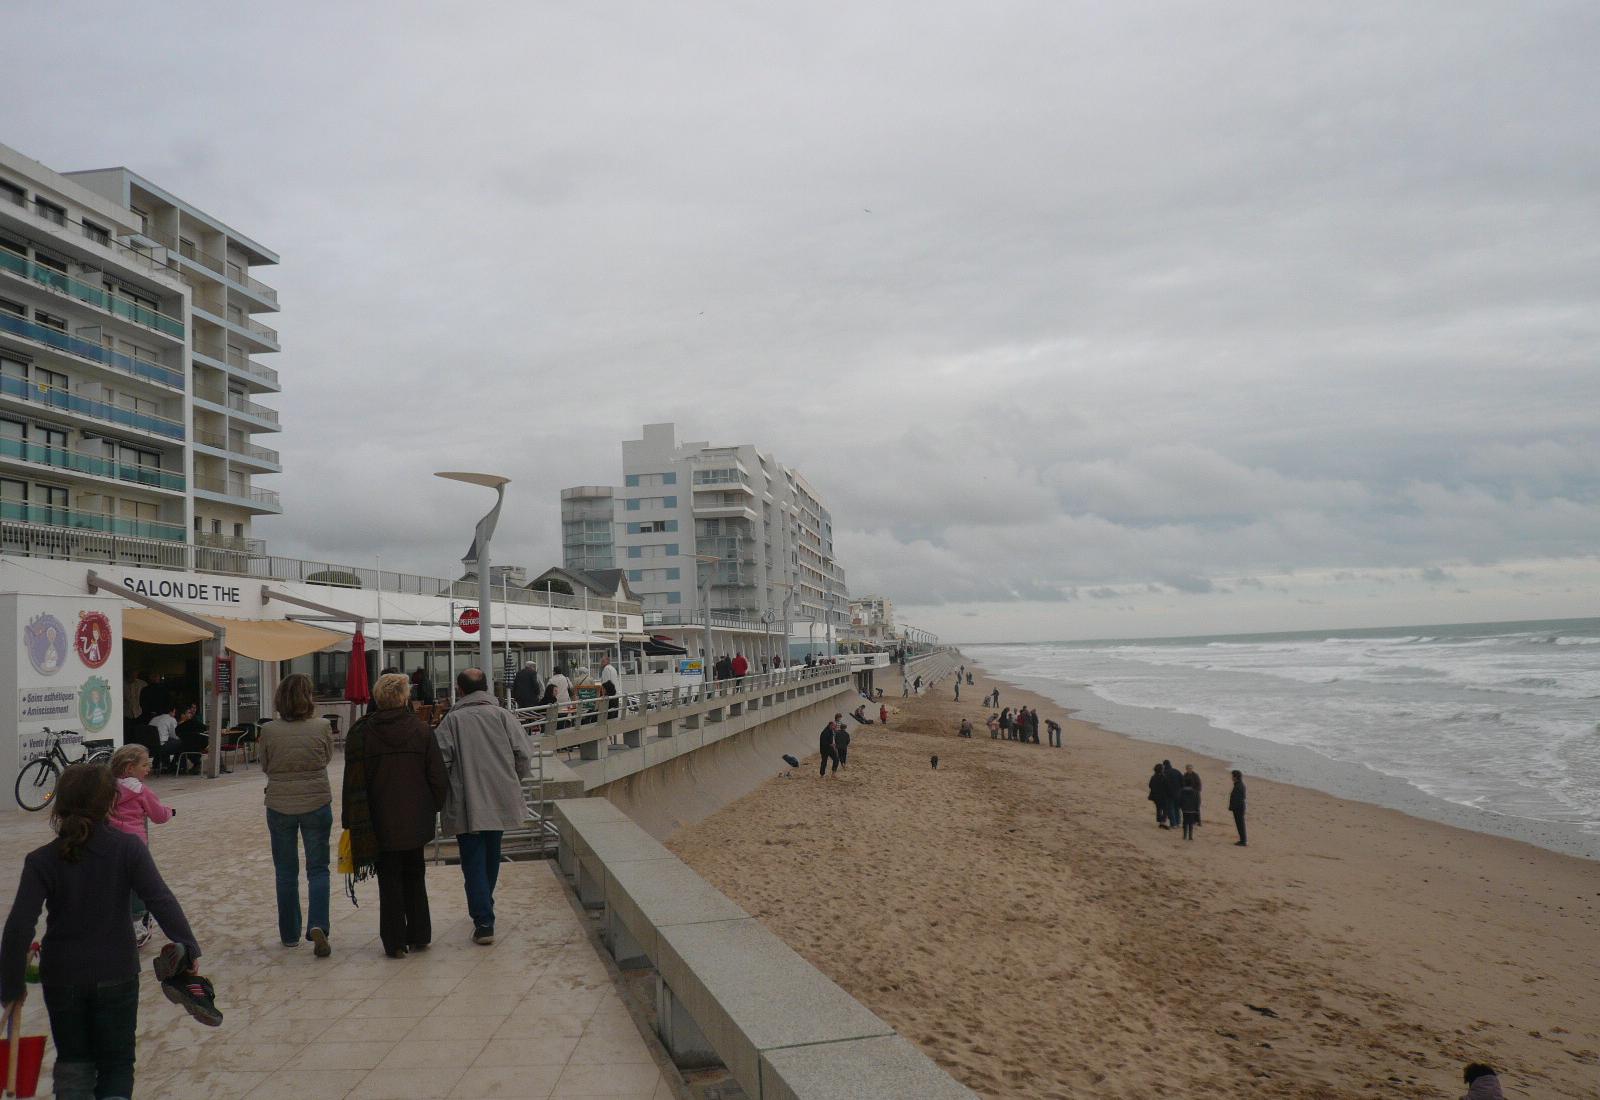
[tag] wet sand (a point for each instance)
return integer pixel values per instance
(1019, 916)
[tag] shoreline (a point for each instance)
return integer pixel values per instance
(1017, 914)
(1298, 766)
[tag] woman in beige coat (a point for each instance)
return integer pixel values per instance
(295, 750)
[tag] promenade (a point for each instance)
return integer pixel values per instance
(534, 1015)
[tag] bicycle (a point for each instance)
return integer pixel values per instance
(36, 780)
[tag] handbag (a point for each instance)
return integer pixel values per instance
(21, 1057)
(347, 858)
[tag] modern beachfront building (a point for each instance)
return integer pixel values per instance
(588, 528)
(127, 367)
(726, 527)
(873, 619)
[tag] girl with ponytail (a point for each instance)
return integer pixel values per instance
(88, 962)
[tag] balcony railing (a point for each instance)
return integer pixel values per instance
(96, 296)
(270, 335)
(19, 512)
(249, 450)
(230, 542)
(261, 288)
(237, 403)
(241, 361)
(97, 465)
(265, 497)
(25, 390)
(88, 349)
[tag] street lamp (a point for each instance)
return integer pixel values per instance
(485, 531)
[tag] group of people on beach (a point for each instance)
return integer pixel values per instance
(1023, 726)
(1177, 798)
(98, 887)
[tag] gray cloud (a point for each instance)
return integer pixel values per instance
(1142, 301)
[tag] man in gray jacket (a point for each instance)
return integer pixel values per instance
(486, 757)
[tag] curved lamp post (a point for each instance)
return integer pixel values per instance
(485, 531)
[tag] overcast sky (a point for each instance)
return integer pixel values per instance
(1086, 319)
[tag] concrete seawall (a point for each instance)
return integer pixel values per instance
(693, 786)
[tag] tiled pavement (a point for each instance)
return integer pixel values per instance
(535, 1015)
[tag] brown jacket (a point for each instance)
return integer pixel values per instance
(406, 782)
(295, 756)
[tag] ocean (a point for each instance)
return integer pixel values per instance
(1491, 726)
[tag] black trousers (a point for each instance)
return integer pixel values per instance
(1238, 820)
(827, 755)
(843, 751)
(92, 1027)
(403, 918)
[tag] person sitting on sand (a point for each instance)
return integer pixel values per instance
(1483, 1083)
(860, 715)
(966, 728)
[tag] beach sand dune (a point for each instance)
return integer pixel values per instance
(1018, 915)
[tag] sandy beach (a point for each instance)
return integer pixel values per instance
(1018, 915)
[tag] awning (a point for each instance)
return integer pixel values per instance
(265, 640)
(277, 639)
(439, 634)
(662, 648)
(143, 624)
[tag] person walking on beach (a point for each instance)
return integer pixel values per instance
(1190, 799)
(883, 714)
(841, 742)
(1236, 806)
(825, 745)
(485, 758)
(958, 691)
(295, 750)
(1483, 1083)
(1174, 780)
(394, 783)
(1158, 795)
(1191, 778)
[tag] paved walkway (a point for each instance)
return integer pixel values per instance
(534, 1015)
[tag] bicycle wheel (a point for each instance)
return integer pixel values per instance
(36, 784)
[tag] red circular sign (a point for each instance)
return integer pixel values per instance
(92, 639)
(468, 621)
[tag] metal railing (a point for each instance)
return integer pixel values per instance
(223, 487)
(261, 288)
(235, 543)
(16, 513)
(98, 465)
(88, 349)
(34, 393)
(236, 402)
(240, 361)
(48, 276)
(270, 335)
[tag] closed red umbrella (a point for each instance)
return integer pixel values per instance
(356, 688)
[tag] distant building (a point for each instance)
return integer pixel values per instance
(588, 527)
(728, 525)
(873, 618)
(605, 584)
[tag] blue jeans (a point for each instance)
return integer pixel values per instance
(288, 830)
(92, 1027)
(480, 869)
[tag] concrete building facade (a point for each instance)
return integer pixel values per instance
(588, 528)
(729, 527)
(127, 369)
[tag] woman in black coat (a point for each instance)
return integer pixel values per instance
(393, 767)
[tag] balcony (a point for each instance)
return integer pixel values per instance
(246, 365)
(95, 465)
(44, 515)
(258, 335)
(232, 543)
(264, 500)
(88, 349)
(18, 264)
(260, 290)
(236, 403)
(23, 390)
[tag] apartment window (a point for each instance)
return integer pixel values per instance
(144, 219)
(669, 478)
(50, 320)
(235, 272)
(238, 530)
(13, 429)
(55, 441)
(199, 525)
(633, 504)
(631, 481)
(186, 247)
(635, 575)
(11, 368)
(669, 502)
(50, 379)
(95, 233)
(236, 315)
(10, 192)
(216, 527)
(138, 456)
(9, 306)
(674, 597)
(50, 211)
(13, 491)
(139, 510)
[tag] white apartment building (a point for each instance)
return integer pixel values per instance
(126, 370)
(588, 528)
(873, 618)
(730, 527)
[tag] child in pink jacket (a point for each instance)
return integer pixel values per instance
(136, 805)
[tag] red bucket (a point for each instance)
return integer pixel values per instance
(20, 1057)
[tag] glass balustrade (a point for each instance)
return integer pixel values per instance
(98, 465)
(87, 349)
(61, 399)
(84, 292)
(46, 515)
